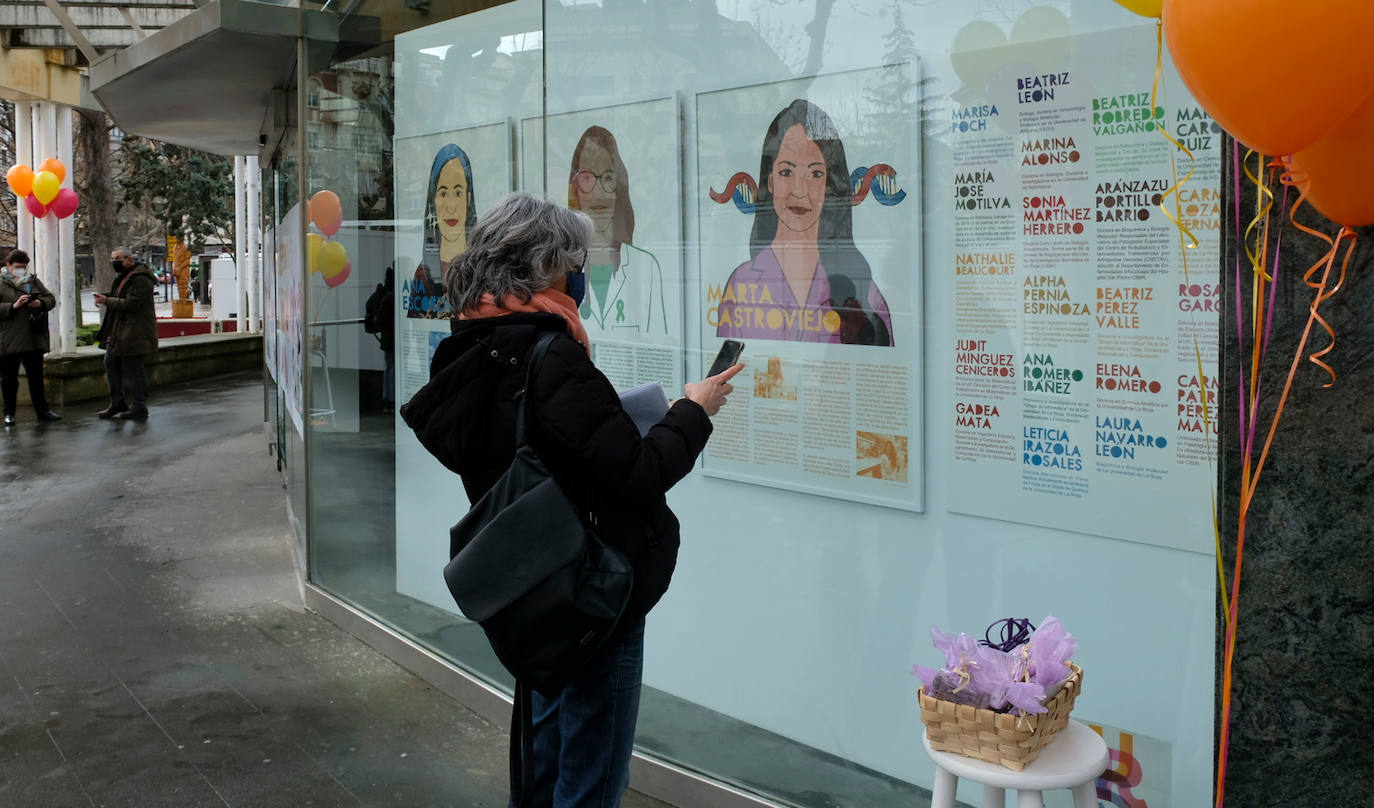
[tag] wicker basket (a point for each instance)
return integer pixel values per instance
(1001, 738)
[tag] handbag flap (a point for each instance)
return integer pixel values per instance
(512, 540)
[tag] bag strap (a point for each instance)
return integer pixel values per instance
(522, 748)
(533, 363)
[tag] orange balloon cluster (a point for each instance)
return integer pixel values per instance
(328, 258)
(42, 190)
(1309, 97)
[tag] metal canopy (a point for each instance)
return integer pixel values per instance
(207, 80)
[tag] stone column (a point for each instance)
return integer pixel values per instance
(23, 155)
(240, 258)
(68, 298)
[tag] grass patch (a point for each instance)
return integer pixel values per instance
(85, 334)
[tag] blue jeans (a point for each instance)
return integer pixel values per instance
(583, 737)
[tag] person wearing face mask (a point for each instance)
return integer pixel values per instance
(24, 305)
(521, 276)
(128, 332)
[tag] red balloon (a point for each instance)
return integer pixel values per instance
(1336, 172)
(340, 276)
(1284, 101)
(38, 209)
(65, 203)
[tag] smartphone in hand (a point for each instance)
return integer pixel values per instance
(727, 358)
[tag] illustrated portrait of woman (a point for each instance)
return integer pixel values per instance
(805, 280)
(449, 215)
(624, 282)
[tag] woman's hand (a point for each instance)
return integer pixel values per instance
(711, 392)
(21, 302)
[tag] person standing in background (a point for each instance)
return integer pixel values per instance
(379, 320)
(128, 332)
(24, 306)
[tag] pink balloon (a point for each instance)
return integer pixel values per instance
(340, 277)
(65, 203)
(38, 209)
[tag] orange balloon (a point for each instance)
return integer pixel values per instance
(1337, 173)
(55, 166)
(326, 212)
(20, 179)
(1274, 101)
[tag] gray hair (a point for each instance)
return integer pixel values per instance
(124, 251)
(520, 246)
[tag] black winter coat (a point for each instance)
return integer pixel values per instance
(465, 417)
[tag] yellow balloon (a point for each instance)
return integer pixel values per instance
(313, 243)
(332, 259)
(1145, 8)
(45, 186)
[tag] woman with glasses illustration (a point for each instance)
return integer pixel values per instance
(624, 283)
(805, 281)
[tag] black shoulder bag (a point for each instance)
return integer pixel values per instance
(545, 589)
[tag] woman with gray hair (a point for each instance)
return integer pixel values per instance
(521, 276)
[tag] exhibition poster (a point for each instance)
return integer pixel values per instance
(269, 309)
(618, 165)
(808, 195)
(443, 182)
(290, 322)
(1079, 342)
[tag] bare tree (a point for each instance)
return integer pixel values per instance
(95, 183)
(9, 205)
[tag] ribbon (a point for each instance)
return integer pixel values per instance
(1173, 191)
(1324, 290)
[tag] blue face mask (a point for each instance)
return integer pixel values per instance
(577, 286)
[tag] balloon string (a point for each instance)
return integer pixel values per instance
(1263, 286)
(1264, 200)
(1183, 247)
(1240, 316)
(1323, 293)
(1173, 190)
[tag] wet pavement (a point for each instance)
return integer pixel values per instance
(153, 646)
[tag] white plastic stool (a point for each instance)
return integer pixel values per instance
(1074, 760)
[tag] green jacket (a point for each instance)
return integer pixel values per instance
(130, 324)
(17, 332)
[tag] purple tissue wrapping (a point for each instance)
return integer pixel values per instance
(1048, 651)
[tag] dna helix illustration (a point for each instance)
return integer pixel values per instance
(880, 180)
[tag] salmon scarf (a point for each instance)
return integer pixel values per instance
(551, 301)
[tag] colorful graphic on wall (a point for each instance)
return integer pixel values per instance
(1081, 350)
(609, 164)
(814, 263)
(1138, 775)
(443, 182)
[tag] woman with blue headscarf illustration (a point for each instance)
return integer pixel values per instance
(449, 214)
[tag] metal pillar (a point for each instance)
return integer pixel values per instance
(254, 243)
(67, 296)
(23, 155)
(240, 262)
